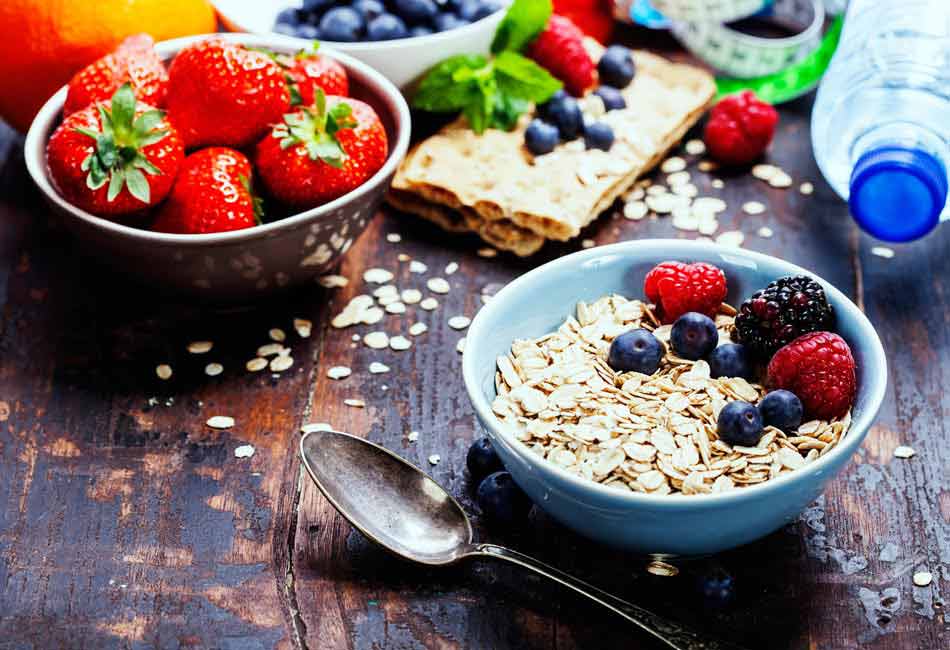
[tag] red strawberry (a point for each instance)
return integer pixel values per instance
(134, 62)
(677, 287)
(560, 49)
(221, 93)
(116, 158)
(594, 17)
(211, 194)
(819, 368)
(308, 71)
(321, 152)
(740, 128)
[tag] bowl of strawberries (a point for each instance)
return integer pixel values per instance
(220, 166)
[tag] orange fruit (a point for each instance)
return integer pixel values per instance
(44, 42)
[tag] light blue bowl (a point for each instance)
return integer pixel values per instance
(538, 302)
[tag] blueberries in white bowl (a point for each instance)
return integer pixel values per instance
(351, 21)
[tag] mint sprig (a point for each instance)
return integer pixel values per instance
(493, 92)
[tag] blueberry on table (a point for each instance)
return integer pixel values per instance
(386, 27)
(740, 423)
(415, 11)
(637, 350)
(716, 587)
(369, 9)
(730, 360)
(482, 459)
(598, 135)
(445, 22)
(342, 24)
(694, 335)
(565, 113)
(782, 409)
(612, 98)
(501, 500)
(541, 137)
(615, 67)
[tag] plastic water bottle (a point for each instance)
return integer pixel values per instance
(881, 120)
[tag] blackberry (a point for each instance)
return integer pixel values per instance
(780, 313)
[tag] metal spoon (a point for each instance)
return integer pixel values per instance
(399, 507)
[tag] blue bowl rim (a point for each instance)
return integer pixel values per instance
(857, 432)
(44, 123)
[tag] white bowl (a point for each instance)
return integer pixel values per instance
(402, 61)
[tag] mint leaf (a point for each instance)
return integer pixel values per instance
(523, 22)
(451, 85)
(507, 110)
(519, 76)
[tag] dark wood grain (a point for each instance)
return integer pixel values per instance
(125, 522)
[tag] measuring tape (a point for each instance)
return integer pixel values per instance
(778, 69)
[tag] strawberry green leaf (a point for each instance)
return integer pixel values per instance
(523, 22)
(146, 123)
(123, 109)
(138, 186)
(256, 201)
(116, 182)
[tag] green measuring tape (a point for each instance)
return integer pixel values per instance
(795, 80)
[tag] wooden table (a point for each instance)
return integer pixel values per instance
(125, 522)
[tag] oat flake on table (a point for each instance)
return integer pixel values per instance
(438, 285)
(200, 347)
(635, 432)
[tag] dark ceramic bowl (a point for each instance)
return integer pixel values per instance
(245, 264)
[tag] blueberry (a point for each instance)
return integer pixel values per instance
(636, 350)
(694, 335)
(286, 29)
(317, 5)
(565, 113)
(502, 500)
(740, 423)
(287, 17)
(612, 98)
(730, 360)
(598, 135)
(416, 11)
(615, 67)
(541, 137)
(716, 587)
(369, 9)
(482, 459)
(308, 32)
(781, 409)
(472, 10)
(544, 110)
(386, 27)
(342, 24)
(445, 22)
(419, 30)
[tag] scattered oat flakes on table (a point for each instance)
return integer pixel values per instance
(393, 238)
(806, 188)
(303, 327)
(220, 422)
(434, 459)
(415, 266)
(164, 371)
(413, 436)
(377, 276)
(416, 329)
(281, 363)
(429, 304)
(200, 347)
(904, 451)
(487, 251)
(882, 251)
(244, 451)
(400, 343)
(376, 340)
(355, 403)
(765, 232)
(277, 334)
(451, 268)
(377, 368)
(459, 322)
(923, 578)
(332, 281)
(339, 372)
(753, 207)
(214, 369)
(256, 364)
(438, 285)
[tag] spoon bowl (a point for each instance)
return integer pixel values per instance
(405, 512)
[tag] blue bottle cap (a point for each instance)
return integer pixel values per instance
(898, 193)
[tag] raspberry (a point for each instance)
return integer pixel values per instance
(594, 17)
(560, 49)
(740, 128)
(782, 311)
(677, 288)
(819, 368)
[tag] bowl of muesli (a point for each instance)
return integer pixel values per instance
(673, 397)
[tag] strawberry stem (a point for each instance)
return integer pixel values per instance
(315, 128)
(117, 157)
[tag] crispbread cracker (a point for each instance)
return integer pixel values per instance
(513, 200)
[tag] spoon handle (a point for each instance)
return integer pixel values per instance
(670, 633)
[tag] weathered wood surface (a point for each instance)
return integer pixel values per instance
(125, 522)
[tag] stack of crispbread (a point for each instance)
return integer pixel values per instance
(491, 185)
